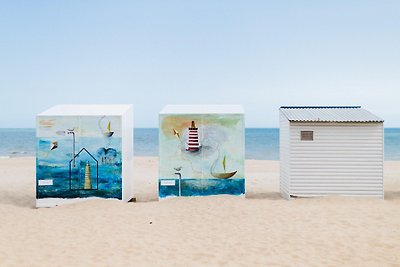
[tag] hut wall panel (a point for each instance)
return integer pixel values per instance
(127, 154)
(284, 156)
(343, 159)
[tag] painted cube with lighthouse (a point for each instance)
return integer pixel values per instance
(82, 152)
(201, 150)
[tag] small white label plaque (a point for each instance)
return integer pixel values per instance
(168, 182)
(45, 182)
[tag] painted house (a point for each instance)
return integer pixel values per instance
(201, 150)
(86, 174)
(330, 151)
(84, 151)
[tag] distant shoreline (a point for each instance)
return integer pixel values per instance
(261, 143)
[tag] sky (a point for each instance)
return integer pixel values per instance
(261, 54)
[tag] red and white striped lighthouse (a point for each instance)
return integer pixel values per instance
(193, 142)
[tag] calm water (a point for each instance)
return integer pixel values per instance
(202, 187)
(69, 179)
(261, 143)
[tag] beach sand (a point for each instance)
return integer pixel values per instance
(260, 230)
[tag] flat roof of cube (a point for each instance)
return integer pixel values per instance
(202, 109)
(347, 114)
(86, 110)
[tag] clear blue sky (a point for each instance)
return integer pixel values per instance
(262, 54)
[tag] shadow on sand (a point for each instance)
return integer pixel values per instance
(265, 195)
(392, 195)
(19, 200)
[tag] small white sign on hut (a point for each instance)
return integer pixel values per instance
(330, 150)
(84, 151)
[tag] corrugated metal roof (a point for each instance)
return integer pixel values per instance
(329, 114)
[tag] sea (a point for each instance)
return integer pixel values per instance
(261, 143)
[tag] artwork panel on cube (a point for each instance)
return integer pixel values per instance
(79, 156)
(202, 153)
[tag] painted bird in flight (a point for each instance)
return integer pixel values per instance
(176, 133)
(54, 145)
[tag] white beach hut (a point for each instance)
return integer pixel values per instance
(330, 151)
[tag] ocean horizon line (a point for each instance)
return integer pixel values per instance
(261, 143)
(30, 128)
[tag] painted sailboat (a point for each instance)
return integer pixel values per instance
(193, 144)
(109, 133)
(222, 175)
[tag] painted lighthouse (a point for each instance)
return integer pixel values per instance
(193, 143)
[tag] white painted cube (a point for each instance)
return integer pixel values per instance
(201, 150)
(83, 152)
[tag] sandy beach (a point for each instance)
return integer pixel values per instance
(260, 230)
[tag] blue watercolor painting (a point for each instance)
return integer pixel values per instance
(201, 155)
(78, 157)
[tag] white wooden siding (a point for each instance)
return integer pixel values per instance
(284, 156)
(343, 159)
